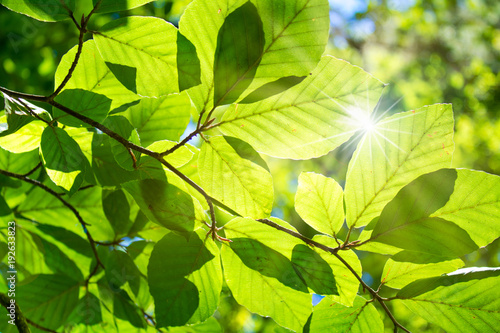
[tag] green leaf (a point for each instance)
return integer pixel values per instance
(474, 205)
(320, 202)
(62, 158)
(296, 32)
(346, 283)
(30, 255)
(259, 272)
(120, 269)
(18, 163)
(48, 299)
(178, 158)
(92, 74)
(87, 311)
(91, 105)
(45, 208)
(334, 317)
(130, 47)
(117, 210)
(234, 173)
(407, 266)
(122, 155)
(109, 6)
(405, 221)
(165, 204)
(185, 279)
(42, 10)
(71, 244)
(20, 112)
(466, 300)
(209, 326)
(24, 139)
(311, 118)
(106, 170)
(164, 118)
(120, 305)
(398, 149)
(240, 44)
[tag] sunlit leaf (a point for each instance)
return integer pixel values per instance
(234, 173)
(62, 158)
(337, 318)
(320, 202)
(259, 272)
(47, 209)
(396, 151)
(474, 205)
(24, 139)
(92, 74)
(346, 282)
(463, 301)
(143, 51)
(294, 32)
(43, 10)
(311, 118)
(164, 118)
(407, 266)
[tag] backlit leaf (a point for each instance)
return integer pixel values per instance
(233, 172)
(398, 149)
(320, 202)
(311, 118)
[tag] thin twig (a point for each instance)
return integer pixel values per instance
(33, 170)
(31, 97)
(64, 202)
(41, 328)
(75, 61)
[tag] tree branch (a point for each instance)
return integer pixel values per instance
(82, 29)
(64, 202)
(21, 323)
(41, 328)
(37, 98)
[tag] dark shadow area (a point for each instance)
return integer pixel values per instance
(267, 262)
(245, 151)
(167, 204)
(314, 270)
(125, 74)
(236, 58)
(104, 166)
(272, 88)
(188, 64)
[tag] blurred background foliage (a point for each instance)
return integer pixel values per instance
(429, 51)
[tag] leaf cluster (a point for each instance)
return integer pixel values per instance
(115, 214)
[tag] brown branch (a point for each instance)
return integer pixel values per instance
(213, 229)
(36, 98)
(31, 112)
(41, 328)
(20, 321)
(33, 170)
(68, 76)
